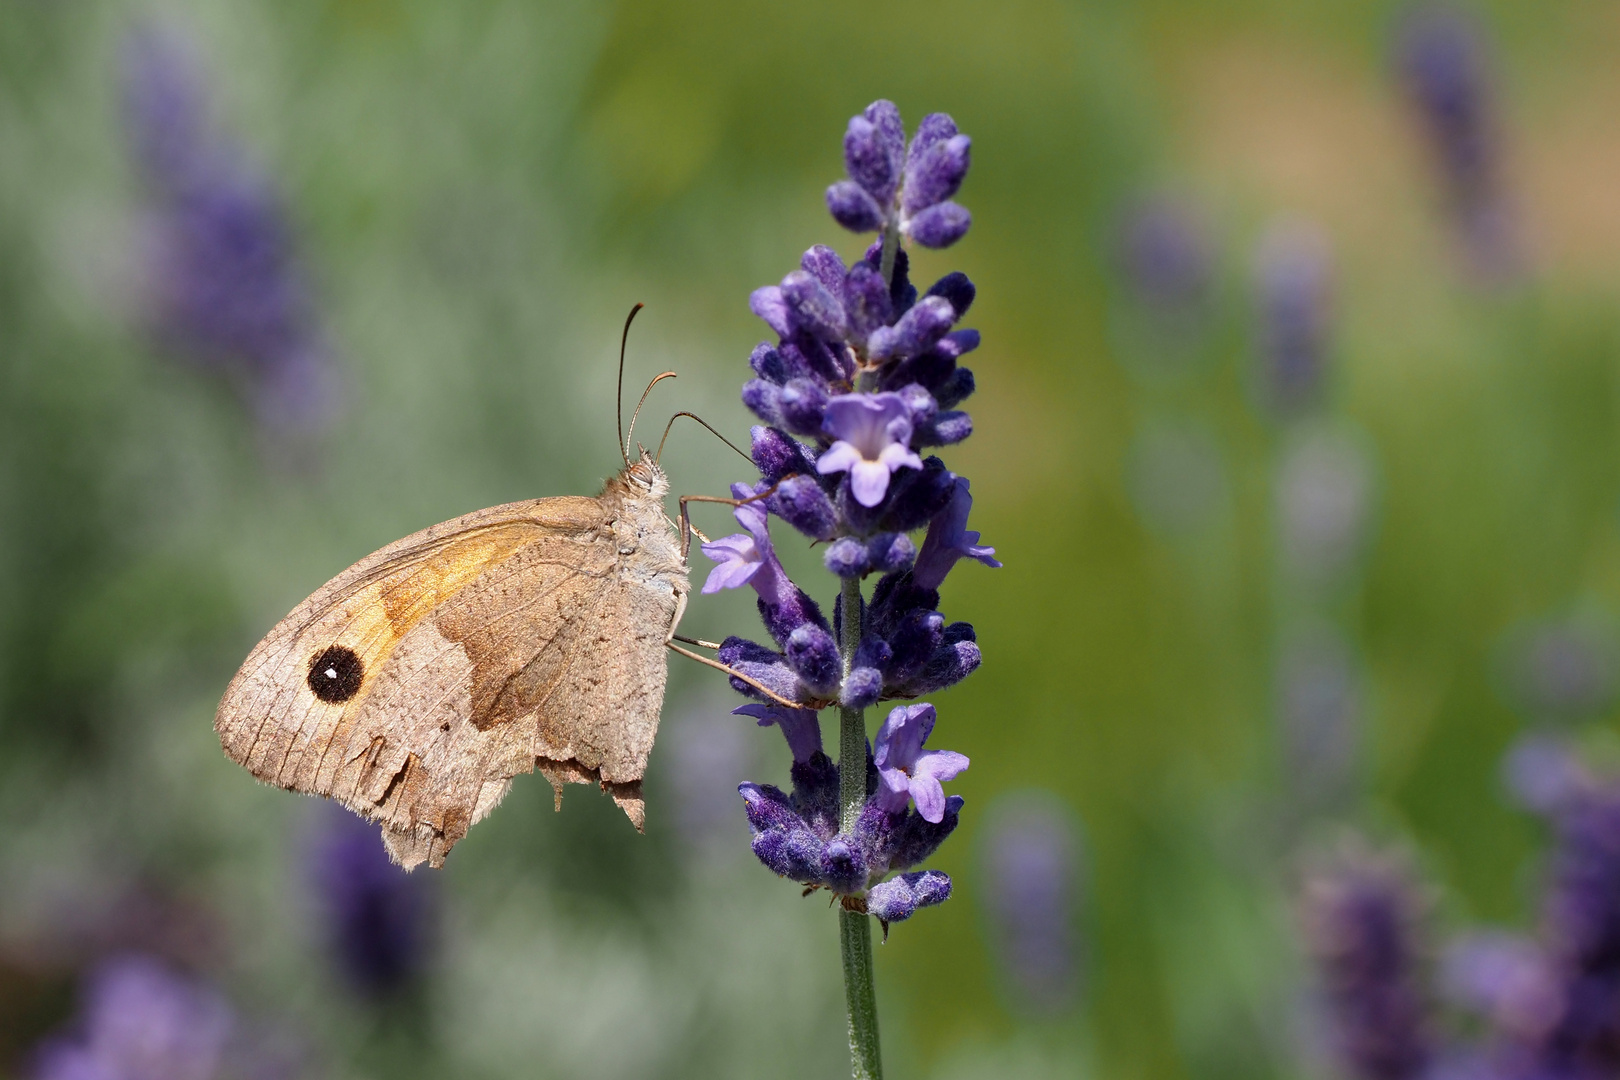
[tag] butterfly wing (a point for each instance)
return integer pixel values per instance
(415, 684)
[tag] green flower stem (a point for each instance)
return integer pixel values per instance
(854, 927)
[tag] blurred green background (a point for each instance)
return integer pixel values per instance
(477, 192)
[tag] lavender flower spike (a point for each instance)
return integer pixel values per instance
(874, 436)
(949, 539)
(906, 770)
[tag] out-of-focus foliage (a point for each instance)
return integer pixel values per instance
(1224, 629)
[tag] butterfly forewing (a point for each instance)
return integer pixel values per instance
(415, 684)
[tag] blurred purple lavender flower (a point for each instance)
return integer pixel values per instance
(1503, 977)
(1542, 774)
(1165, 256)
(1578, 1037)
(222, 284)
(1361, 916)
(141, 1021)
(1562, 669)
(1441, 54)
(1294, 287)
(378, 920)
(1030, 853)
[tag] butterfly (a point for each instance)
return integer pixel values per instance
(417, 683)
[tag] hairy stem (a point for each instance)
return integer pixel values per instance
(854, 927)
(891, 248)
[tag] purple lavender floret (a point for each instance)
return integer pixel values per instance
(863, 375)
(1361, 917)
(222, 284)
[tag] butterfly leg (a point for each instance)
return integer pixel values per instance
(688, 530)
(735, 674)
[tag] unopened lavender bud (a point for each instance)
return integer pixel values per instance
(823, 263)
(763, 399)
(958, 342)
(795, 854)
(919, 494)
(927, 370)
(843, 867)
(946, 429)
(814, 306)
(929, 887)
(767, 363)
(847, 557)
(815, 792)
(866, 300)
(769, 304)
(926, 323)
(853, 208)
(791, 609)
(934, 129)
(802, 404)
(951, 663)
(891, 901)
(891, 553)
(863, 687)
(776, 454)
(914, 642)
(810, 357)
(955, 388)
(919, 838)
(767, 807)
(874, 147)
(800, 502)
(941, 225)
(813, 653)
(765, 667)
(897, 899)
(937, 174)
(902, 293)
(959, 289)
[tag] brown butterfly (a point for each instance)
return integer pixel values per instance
(413, 686)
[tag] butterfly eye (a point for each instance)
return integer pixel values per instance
(335, 674)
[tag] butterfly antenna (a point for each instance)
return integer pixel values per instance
(633, 416)
(618, 401)
(706, 424)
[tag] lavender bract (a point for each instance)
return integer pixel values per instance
(863, 375)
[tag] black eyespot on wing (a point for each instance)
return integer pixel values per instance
(335, 673)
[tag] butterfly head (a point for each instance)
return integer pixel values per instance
(644, 475)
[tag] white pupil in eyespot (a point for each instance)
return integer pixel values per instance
(331, 673)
